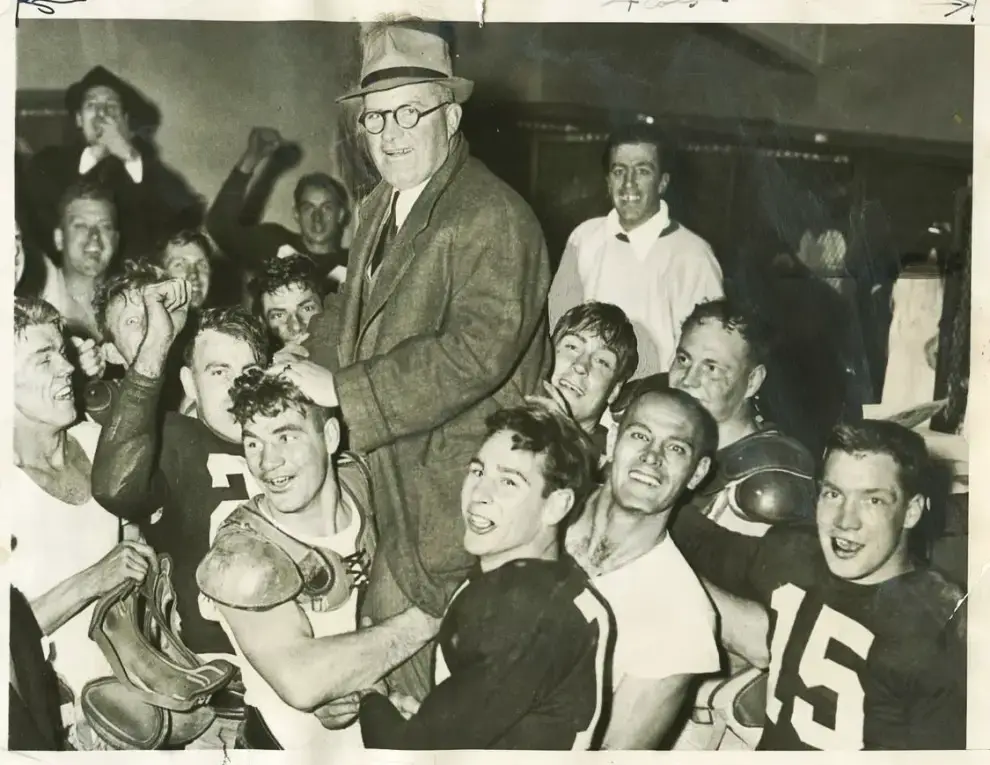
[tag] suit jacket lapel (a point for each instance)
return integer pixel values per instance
(365, 238)
(403, 247)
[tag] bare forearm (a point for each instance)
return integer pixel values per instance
(643, 712)
(318, 670)
(64, 600)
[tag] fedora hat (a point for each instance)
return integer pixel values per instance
(395, 56)
(100, 76)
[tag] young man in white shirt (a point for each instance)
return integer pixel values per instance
(66, 551)
(637, 256)
(664, 620)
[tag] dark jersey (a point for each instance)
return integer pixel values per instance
(527, 647)
(171, 475)
(851, 666)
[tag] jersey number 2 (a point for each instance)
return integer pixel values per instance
(221, 468)
(817, 671)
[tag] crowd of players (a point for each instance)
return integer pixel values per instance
(549, 538)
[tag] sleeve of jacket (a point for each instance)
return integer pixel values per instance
(566, 291)
(127, 478)
(247, 245)
(498, 289)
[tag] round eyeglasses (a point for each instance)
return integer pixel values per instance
(406, 117)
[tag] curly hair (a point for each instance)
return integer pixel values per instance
(569, 460)
(279, 273)
(257, 393)
(135, 276)
(610, 323)
(34, 312)
(234, 322)
(734, 318)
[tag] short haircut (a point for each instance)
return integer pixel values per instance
(568, 455)
(88, 190)
(320, 181)
(182, 238)
(234, 322)
(256, 393)
(278, 273)
(704, 424)
(733, 318)
(610, 323)
(633, 134)
(906, 447)
(34, 312)
(136, 275)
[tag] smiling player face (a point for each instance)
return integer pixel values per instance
(864, 517)
(505, 512)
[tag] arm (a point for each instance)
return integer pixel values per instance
(745, 626)
(472, 708)
(716, 554)
(223, 221)
(643, 710)
(497, 304)
(566, 291)
(701, 281)
(306, 671)
(127, 476)
(65, 600)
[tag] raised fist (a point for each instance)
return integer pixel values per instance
(262, 142)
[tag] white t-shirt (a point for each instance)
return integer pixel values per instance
(55, 540)
(293, 729)
(664, 621)
(657, 277)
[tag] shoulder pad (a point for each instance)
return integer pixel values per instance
(245, 570)
(768, 451)
(354, 477)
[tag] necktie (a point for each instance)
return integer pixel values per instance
(622, 237)
(384, 240)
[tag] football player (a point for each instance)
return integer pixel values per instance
(524, 646)
(663, 451)
(176, 476)
(867, 643)
(594, 355)
(287, 568)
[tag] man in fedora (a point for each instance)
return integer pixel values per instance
(441, 322)
(151, 200)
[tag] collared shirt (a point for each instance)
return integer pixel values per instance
(644, 236)
(89, 160)
(404, 204)
(656, 274)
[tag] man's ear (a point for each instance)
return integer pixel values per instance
(188, 387)
(755, 381)
(453, 117)
(614, 394)
(59, 239)
(915, 510)
(557, 506)
(331, 435)
(295, 214)
(663, 183)
(700, 471)
(79, 120)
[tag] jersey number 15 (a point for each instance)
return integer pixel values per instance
(815, 670)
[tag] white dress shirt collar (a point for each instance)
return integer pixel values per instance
(643, 237)
(89, 160)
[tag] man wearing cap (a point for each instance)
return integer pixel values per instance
(151, 200)
(441, 322)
